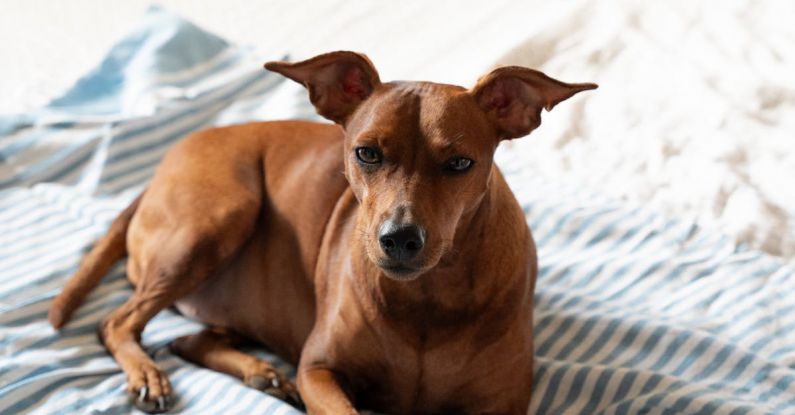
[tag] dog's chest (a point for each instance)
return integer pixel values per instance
(416, 381)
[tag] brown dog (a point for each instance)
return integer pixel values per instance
(388, 258)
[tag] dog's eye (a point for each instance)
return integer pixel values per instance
(459, 164)
(368, 155)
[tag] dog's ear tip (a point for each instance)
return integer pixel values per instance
(582, 86)
(272, 65)
(278, 66)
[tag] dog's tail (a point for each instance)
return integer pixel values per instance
(97, 263)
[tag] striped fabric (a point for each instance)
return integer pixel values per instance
(635, 313)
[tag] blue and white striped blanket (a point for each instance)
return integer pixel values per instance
(635, 313)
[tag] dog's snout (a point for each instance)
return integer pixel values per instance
(401, 242)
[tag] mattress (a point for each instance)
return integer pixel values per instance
(636, 312)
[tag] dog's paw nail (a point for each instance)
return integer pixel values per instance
(258, 382)
(275, 385)
(145, 403)
(162, 403)
(142, 393)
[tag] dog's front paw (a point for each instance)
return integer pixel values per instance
(150, 390)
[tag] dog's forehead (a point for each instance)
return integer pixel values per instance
(425, 109)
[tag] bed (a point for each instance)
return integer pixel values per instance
(637, 311)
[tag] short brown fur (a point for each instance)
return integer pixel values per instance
(273, 232)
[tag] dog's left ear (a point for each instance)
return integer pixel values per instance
(337, 81)
(512, 97)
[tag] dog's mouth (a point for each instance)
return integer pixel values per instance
(400, 272)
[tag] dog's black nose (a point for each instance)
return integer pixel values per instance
(401, 242)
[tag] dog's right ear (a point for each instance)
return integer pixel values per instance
(337, 81)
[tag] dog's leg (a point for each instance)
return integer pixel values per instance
(179, 262)
(216, 349)
(322, 392)
(121, 333)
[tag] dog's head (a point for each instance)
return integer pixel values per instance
(418, 155)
